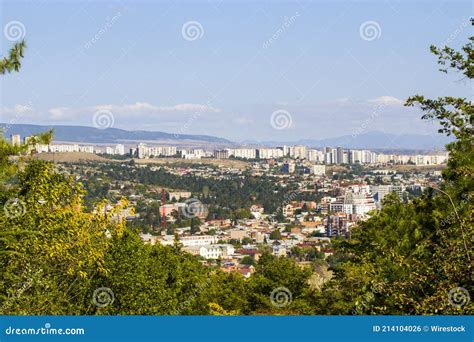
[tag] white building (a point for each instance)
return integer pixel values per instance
(15, 139)
(247, 153)
(119, 149)
(198, 240)
(299, 151)
(315, 156)
(358, 203)
(143, 151)
(269, 153)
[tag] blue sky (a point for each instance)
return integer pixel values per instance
(280, 70)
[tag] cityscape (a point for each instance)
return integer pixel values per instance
(328, 155)
(328, 202)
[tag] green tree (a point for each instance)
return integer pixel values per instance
(50, 248)
(284, 276)
(275, 235)
(247, 260)
(13, 61)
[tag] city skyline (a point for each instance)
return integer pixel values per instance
(208, 73)
(91, 135)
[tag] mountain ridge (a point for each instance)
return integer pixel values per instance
(369, 140)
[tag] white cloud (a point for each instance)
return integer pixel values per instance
(144, 107)
(130, 111)
(58, 112)
(129, 116)
(242, 120)
(386, 100)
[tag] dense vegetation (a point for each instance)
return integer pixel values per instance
(410, 257)
(58, 257)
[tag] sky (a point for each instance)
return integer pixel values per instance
(241, 70)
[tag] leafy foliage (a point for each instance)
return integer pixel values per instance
(13, 61)
(407, 258)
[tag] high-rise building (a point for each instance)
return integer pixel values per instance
(221, 154)
(285, 149)
(315, 156)
(345, 157)
(16, 139)
(142, 151)
(248, 153)
(299, 151)
(119, 149)
(269, 153)
(339, 155)
(328, 158)
(356, 156)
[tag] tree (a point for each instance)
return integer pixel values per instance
(8, 167)
(13, 61)
(275, 235)
(281, 275)
(247, 260)
(195, 225)
(50, 244)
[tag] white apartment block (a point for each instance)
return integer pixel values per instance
(269, 153)
(198, 240)
(380, 191)
(211, 251)
(315, 156)
(40, 148)
(192, 153)
(144, 151)
(248, 153)
(190, 241)
(431, 159)
(15, 139)
(359, 204)
(119, 149)
(299, 151)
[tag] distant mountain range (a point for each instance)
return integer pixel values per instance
(371, 140)
(107, 136)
